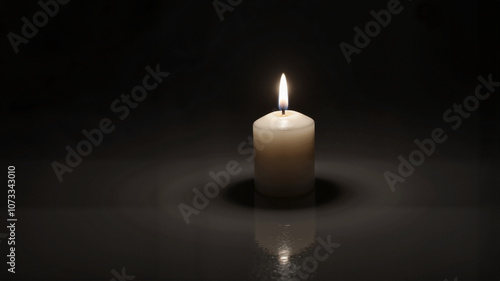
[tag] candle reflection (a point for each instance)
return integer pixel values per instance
(285, 231)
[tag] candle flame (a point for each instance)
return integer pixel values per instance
(283, 98)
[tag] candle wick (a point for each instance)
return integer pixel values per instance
(283, 111)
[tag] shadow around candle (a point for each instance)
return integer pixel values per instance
(326, 193)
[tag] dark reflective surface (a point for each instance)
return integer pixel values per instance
(285, 231)
(241, 235)
(326, 192)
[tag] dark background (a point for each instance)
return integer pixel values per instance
(119, 207)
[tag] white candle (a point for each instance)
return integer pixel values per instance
(284, 151)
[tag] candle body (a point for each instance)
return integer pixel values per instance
(284, 154)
